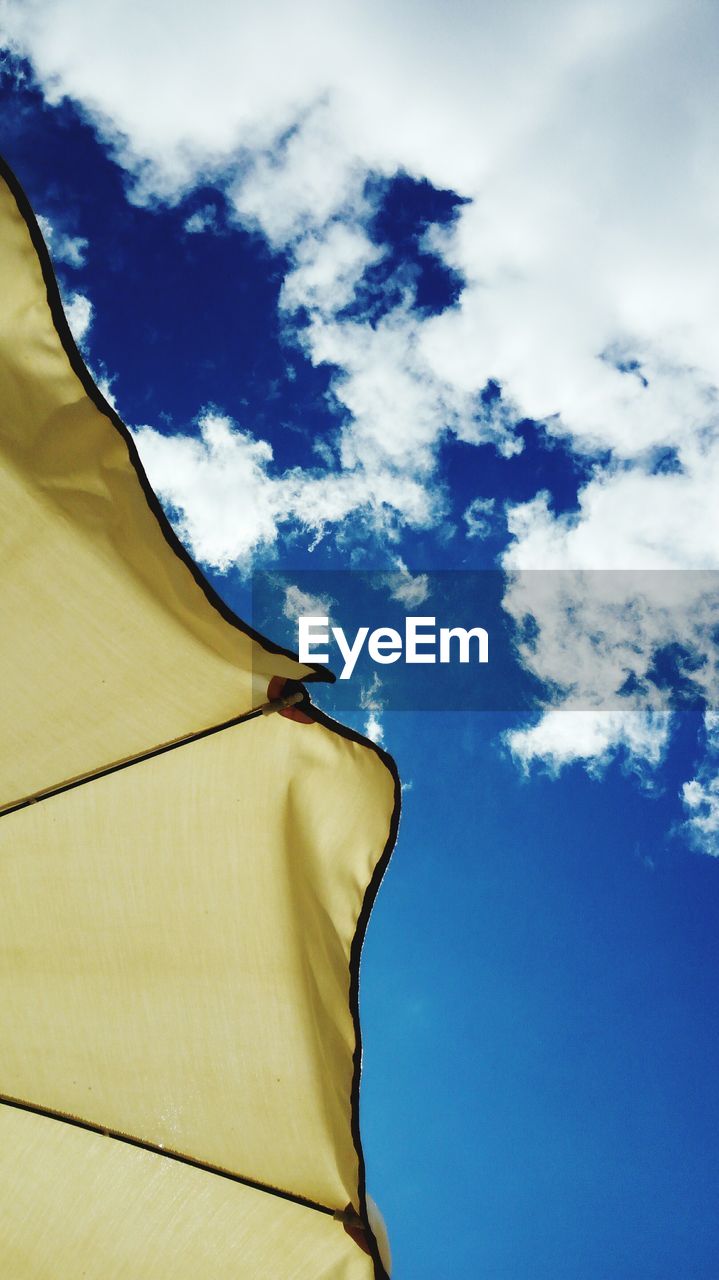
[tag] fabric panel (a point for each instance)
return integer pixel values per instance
(76, 1204)
(175, 950)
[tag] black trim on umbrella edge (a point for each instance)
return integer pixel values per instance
(355, 957)
(79, 368)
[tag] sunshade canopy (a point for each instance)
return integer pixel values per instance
(183, 892)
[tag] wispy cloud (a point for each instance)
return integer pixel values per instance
(478, 517)
(701, 794)
(70, 250)
(204, 219)
(371, 701)
(78, 310)
(299, 603)
(409, 589)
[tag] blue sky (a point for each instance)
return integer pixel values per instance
(470, 332)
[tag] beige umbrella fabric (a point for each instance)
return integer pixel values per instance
(184, 883)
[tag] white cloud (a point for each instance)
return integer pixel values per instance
(628, 518)
(219, 486)
(399, 411)
(373, 728)
(304, 182)
(78, 312)
(609, 587)
(299, 603)
(105, 384)
(328, 269)
(410, 589)
(701, 794)
(371, 702)
(478, 517)
(229, 502)
(70, 250)
(204, 219)
(592, 737)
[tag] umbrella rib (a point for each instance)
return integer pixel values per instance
(81, 779)
(179, 1157)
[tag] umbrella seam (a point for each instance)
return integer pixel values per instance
(69, 784)
(90, 1126)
